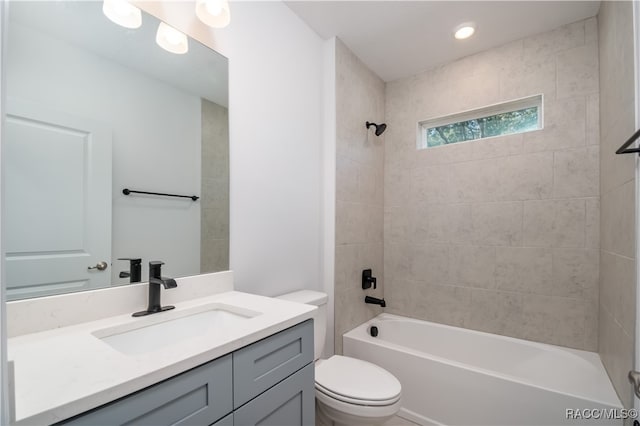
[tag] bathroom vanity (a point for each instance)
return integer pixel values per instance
(220, 358)
(270, 378)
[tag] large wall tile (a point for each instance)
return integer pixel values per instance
(616, 349)
(593, 119)
(524, 269)
(576, 172)
(578, 71)
(438, 223)
(460, 225)
(525, 177)
(444, 304)
(429, 263)
(473, 181)
(526, 78)
(564, 126)
(554, 223)
(617, 296)
(496, 312)
(473, 266)
(497, 223)
(575, 273)
(550, 42)
(592, 222)
(557, 320)
(431, 183)
(618, 220)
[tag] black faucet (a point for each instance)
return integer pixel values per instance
(135, 270)
(375, 301)
(155, 281)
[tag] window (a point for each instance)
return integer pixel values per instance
(523, 115)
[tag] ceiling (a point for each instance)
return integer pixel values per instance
(397, 39)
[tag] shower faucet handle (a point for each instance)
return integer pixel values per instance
(368, 279)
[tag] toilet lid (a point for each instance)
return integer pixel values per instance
(356, 379)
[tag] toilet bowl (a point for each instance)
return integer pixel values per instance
(349, 391)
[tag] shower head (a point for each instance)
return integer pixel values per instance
(380, 128)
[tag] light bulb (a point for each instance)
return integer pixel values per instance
(171, 39)
(123, 13)
(214, 13)
(214, 7)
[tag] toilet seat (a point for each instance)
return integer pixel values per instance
(356, 413)
(354, 381)
(355, 401)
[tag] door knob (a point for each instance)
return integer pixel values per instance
(100, 266)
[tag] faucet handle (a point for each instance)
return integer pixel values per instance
(368, 279)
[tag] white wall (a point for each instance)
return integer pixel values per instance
(276, 130)
(156, 120)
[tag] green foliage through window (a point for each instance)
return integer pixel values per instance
(506, 123)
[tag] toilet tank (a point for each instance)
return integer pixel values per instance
(315, 298)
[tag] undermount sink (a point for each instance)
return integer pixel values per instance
(149, 335)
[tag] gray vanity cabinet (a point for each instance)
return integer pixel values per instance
(270, 382)
(289, 403)
(197, 397)
(259, 366)
(226, 421)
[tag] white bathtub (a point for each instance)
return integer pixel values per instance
(455, 376)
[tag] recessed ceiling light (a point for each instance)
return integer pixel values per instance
(465, 30)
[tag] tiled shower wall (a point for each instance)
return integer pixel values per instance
(499, 235)
(359, 186)
(617, 185)
(214, 202)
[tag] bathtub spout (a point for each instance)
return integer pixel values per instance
(375, 301)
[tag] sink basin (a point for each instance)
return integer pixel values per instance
(150, 335)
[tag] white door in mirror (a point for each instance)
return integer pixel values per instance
(57, 207)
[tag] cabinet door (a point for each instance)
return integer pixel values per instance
(261, 365)
(225, 421)
(289, 403)
(197, 397)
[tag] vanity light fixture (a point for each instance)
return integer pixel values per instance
(171, 39)
(464, 31)
(214, 13)
(122, 13)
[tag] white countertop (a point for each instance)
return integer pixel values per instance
(66, 371)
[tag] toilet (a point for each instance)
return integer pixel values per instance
(349, 391)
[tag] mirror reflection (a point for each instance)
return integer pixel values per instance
(93, 108)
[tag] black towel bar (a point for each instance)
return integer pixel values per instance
(128, 191)
(624, 150)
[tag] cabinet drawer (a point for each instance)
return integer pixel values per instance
(289, 403)
(225, 421)
(263, 364)
(197, 397)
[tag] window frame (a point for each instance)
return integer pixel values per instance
(477, 113)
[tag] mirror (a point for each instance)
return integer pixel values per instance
(91, 109)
